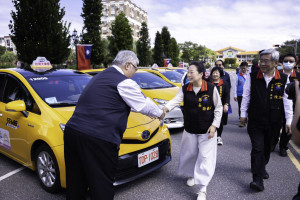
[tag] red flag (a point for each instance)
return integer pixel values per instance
(167, 62)
(84, 56)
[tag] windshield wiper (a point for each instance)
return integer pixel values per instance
(62, 104)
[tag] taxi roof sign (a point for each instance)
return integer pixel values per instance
(41, 64)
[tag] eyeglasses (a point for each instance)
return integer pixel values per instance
(265, 61)
(135, 67)
(297, 67)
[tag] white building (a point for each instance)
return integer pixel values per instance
(8, 44)
(134, 14)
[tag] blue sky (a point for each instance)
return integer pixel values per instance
(246, 24)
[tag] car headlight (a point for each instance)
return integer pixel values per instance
(62, 126)
(161, 101)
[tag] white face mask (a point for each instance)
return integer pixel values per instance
(288, 65)
(279, 67)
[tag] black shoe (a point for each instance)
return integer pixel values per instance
(257, 184)
(266, 175)
(282, 152)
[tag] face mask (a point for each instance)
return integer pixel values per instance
(288, 65)
(279, 67)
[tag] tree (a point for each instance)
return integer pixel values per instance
(92, 13)
(158, 50)
(285, 48)
(2, 50)
(121, 38)
(143, 46)
(37, 29)
(8, 58)
(166, 41)
(174, 52)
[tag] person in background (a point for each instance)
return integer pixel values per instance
(225, 76)
(297, 67)
(279, 66)
(202, 115)
(93, 134)
(239, 87)
(265, 100)
(289, 62)
(224, 93)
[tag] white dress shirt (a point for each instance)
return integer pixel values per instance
(288, 104)
(131, 93)
(216, 99)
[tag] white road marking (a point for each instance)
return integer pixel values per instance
(11, 173)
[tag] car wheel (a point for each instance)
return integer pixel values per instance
(47, 169)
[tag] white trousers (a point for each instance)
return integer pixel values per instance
(198, 156)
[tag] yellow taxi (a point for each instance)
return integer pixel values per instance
(168, 75)
(159, 90)
(34, 108)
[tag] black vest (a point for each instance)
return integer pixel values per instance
(266, 104)
(101, 112)
(198, 108)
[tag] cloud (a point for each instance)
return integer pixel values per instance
(250, 25)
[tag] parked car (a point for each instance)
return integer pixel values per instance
(159, 90)
(36, 105)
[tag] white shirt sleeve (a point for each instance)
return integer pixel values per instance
(246, 96)
(176, 101)
(235, 86)
(218, 108)
(133, 96)
(288, 106)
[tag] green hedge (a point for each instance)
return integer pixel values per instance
(2, 66)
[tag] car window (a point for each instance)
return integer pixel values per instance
(150, 81)
(173, 76)
(59, 90)
(14, 90)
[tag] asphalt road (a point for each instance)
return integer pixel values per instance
(231, 179)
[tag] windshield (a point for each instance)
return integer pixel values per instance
(173, 76)
(150, 81)
(181, 71)
(59, 90)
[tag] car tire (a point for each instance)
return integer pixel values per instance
(47, 169)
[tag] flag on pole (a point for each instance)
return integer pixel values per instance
(167, 62)
(181, 64)
(84, 52)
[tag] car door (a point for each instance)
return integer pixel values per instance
(17, 126)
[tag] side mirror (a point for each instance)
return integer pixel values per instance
(17, 106)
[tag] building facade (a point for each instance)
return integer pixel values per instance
(135, 15)
(8, 44)
(232, 52)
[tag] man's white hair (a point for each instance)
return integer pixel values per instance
(274, 54)
(125, 56)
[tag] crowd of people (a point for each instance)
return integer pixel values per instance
(264, 106)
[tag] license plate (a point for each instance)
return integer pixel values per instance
(148, 157)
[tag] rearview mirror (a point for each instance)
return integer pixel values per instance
(15, 106)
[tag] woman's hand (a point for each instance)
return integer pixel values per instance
(211, 130)
(225, 108)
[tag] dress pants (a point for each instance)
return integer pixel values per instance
(90, 163)
(239, 99)
(198, 156)
(262, 138)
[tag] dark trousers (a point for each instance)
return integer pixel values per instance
(90, 163)
(262, 138)
(239, 99)
(220, 129)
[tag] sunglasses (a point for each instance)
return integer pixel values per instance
(296, 67)
(290, 61)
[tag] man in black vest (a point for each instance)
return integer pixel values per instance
(93, 134)
(266, 102)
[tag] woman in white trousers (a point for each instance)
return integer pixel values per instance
(202, 115)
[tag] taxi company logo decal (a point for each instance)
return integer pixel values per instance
(12, 123)
(4, 139)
